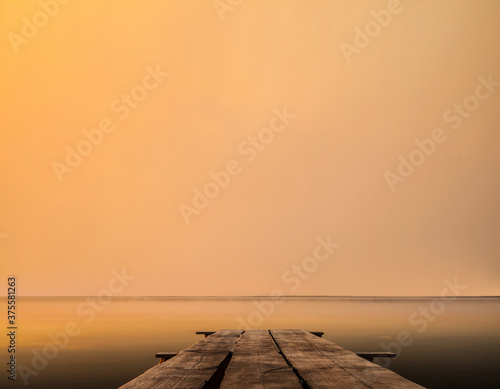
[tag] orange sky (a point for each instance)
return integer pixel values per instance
(324, 174)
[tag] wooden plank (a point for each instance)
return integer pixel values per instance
(315, 370)
(192, 367)
(257, 363)
(368, 372)
(323, 364)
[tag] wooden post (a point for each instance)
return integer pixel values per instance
(369, 355)
(206, 333)
(165, 356)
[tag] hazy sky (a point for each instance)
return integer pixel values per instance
(331, 170)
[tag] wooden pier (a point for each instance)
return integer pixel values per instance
(291, 359)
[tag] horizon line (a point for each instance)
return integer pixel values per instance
(261, 296)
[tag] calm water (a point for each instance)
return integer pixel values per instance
(458, 348)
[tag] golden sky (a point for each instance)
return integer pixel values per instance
(182, 89)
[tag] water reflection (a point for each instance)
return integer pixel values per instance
(459, 348)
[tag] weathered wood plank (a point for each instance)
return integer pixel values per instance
(257, 363)
(323, 364)
(368, 372)
(316, 370)
(192, 367)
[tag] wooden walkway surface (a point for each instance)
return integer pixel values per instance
(267, 359)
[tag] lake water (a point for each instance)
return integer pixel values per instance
(453, 345)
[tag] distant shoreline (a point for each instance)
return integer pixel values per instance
(261, 297)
